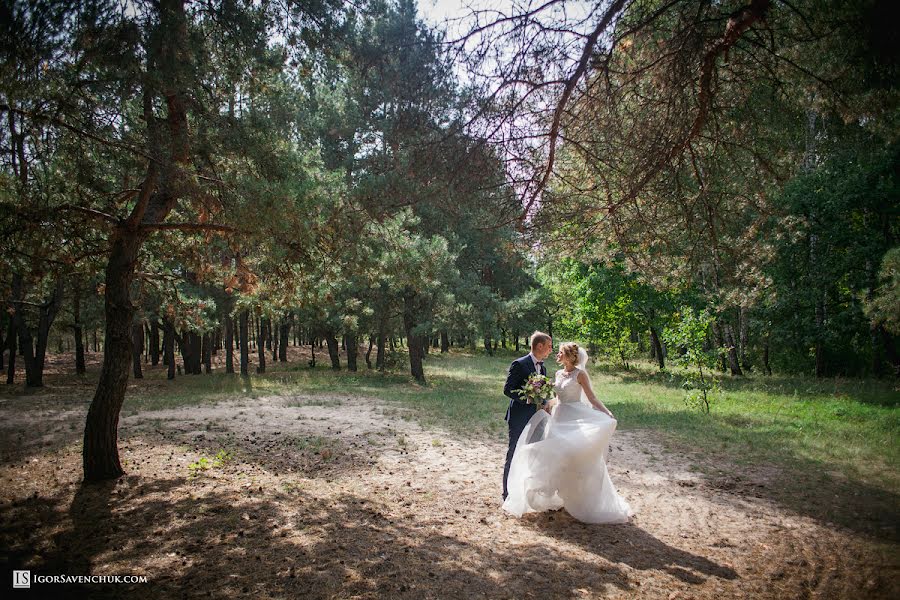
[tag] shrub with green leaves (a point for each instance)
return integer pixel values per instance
(689, 334)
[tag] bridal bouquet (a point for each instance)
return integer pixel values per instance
(537, 390)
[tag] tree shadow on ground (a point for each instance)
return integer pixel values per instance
(234, 544)
(630, 545)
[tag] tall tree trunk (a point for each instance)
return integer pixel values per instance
(261, 346)
(488, 345)
(445, 343)
(100, 454)
(154, 341)
(196, 341)
(766, 357)
(207, 352)
(380, 352)
(333, 351)
(380, 339)
(26, 343)
(744, 333)
(415, 340)
(11, 344)
(192, 353)
(244, 331)
(48, 312)
(137, 345)
(369, 352)
(229, 343)
(78, 330)
(657, 348)
(169, 348)
(720, 343)
(733, 362)
(285, 332)
(352, 350)
(273, 344)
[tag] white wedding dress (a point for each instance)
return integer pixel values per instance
(560, 460)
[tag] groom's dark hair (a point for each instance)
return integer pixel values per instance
(539, 337)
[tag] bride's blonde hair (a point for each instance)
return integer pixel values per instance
(570, 351)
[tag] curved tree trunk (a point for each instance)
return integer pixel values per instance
(100, 453)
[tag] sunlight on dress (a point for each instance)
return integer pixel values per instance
(560, 461)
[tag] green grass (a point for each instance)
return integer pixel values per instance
(828, 448)
(831, 441)
(841, 425)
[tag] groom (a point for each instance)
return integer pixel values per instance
(519, 412)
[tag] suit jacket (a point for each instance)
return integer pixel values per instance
(518, 374)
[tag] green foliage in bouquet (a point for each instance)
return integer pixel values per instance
(538, 389)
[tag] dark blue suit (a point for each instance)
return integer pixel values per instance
(519, 412)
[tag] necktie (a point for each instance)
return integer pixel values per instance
(540, 364)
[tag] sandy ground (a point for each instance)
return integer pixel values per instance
(345, 497)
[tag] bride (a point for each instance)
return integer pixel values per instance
(560, 458)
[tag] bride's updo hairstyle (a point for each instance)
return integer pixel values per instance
(570, 351)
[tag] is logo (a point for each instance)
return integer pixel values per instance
(21, 579)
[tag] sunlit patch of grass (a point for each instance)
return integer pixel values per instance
(845, 425)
